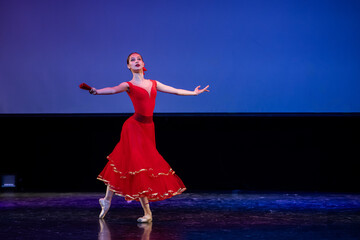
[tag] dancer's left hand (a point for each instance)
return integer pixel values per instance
(198, 91)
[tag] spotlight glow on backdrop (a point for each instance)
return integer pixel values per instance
(257, 56)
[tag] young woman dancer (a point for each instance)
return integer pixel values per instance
(135, 169)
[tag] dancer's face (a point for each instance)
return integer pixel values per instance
(135, 62)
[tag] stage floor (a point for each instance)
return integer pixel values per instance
(197, 215)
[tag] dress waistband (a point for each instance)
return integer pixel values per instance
(142, 118)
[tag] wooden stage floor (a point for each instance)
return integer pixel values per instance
(192, 215)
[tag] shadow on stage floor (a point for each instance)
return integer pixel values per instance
(200, 215)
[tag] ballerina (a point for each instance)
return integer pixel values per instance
(135, 169)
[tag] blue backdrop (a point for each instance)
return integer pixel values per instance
(257, 56)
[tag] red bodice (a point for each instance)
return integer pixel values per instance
(143, 101)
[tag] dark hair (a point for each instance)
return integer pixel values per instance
(128, 58)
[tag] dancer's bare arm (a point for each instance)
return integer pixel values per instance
(168, 89)
(122, 87)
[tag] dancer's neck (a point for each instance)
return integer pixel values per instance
(138, 78)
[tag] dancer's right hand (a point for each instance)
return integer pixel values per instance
(93, 91)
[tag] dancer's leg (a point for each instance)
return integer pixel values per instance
(147, 212)
(145, 205)
(109, 194)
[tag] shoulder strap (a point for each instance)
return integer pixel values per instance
(154, 83)
(130, 84)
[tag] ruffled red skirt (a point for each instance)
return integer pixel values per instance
(136, 169)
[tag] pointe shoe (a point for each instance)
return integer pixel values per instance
(145, 219)
(105, 205)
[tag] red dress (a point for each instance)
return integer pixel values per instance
(135, 167)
